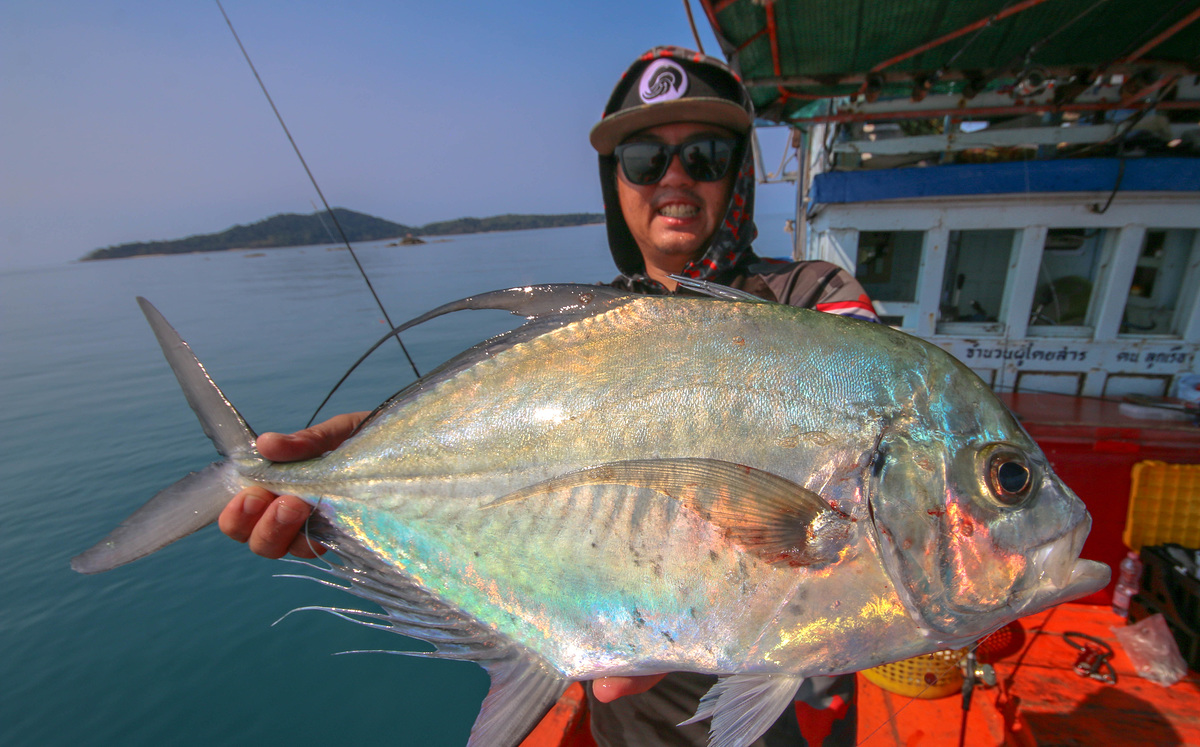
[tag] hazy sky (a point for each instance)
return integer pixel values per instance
(133, 120)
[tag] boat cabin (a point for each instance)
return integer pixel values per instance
(1018, 183)
(1075, 276)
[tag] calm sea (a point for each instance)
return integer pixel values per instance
(179, 648)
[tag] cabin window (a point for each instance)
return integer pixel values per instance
(1063, 297)
(888, 264)
(973, 286)
(1154, 301)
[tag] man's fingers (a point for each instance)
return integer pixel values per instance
(239, 516)
(279, 526)
(608, 689)
(273, 525)
(310, 442)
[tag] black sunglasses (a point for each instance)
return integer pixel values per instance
(705, 160)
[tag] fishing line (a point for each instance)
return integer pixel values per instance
(308, 532)
(346, 375)
(333, 216)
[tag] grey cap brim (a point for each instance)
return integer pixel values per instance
(608, 133)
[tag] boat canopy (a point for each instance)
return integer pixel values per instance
(795, 55)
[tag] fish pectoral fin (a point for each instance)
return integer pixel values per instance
(768, 515)
(743, 706)
(524, 689)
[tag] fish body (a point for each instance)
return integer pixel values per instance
(637, 484)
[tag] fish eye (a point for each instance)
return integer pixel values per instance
(1009, 478)
(1012, 477)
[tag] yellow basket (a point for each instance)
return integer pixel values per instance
(929, 676)
(1164, 505)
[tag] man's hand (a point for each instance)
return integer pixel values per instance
(608, 689)
(270, 523)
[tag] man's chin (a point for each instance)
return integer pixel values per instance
(679, 245)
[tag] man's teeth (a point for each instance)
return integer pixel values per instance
(678, 211)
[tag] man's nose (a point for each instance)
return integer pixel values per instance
(676, 174)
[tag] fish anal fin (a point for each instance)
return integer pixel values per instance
(524, 686)
(768, 515)
(524, 689)
(743, 706)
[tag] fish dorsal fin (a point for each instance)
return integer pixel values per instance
(770, 516)
(565, 301)
(530, 301)
(545, 307)
(743, 706)
(716, 290)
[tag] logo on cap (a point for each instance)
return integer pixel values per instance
(663, 80)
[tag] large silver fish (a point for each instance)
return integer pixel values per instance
(629, 484)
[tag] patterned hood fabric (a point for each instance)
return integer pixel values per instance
(728, 255)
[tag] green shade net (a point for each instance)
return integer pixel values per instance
(826, 47)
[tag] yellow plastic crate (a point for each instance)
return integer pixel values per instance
(1164, 505)
(930, 676)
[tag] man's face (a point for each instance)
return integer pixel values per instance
(673, 219)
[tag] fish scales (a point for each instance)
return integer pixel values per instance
(504, 414)
(630, 485)
(549, 415)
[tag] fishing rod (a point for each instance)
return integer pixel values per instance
(333, 216)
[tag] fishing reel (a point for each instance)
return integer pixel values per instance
(975, 673)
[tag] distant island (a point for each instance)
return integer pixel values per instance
(292, 229)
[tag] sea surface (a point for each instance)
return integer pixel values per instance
(180, 648)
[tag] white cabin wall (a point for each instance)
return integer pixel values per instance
(1023, 280)
(1116, 274)
(1092, 359)
(929, 287)
(1189, 301)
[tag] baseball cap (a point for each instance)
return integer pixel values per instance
(673, 84)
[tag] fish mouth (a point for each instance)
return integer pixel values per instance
(1057, 574)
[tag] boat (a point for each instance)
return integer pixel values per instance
(1018, 182)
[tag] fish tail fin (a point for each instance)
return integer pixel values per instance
(190, 504)
(220, 419)
(195, 501)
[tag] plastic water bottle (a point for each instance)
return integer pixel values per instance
(1127, 583)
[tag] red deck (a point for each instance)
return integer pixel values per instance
(1041, 701)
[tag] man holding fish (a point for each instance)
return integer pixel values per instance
(677, 174)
